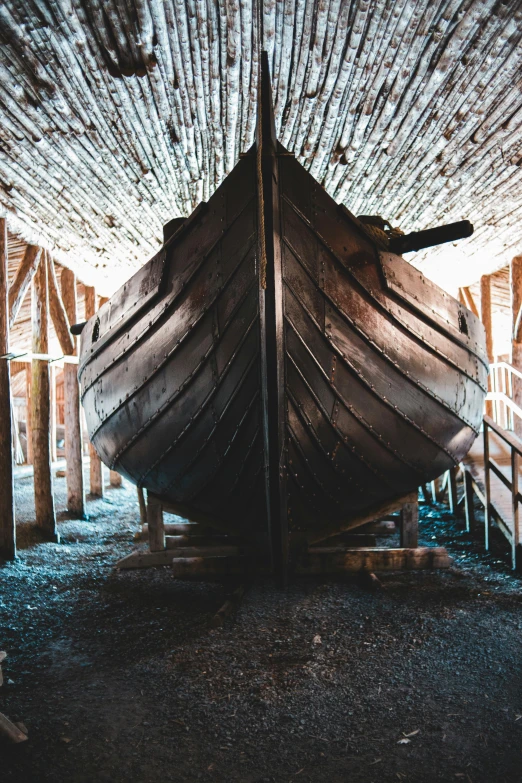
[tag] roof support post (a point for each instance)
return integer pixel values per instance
(516, 344)
(485, 312)
(40, 408)
(7, 515)
(72, 412)
(96, 466)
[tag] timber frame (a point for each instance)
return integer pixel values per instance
(195, 550)
(52, 301)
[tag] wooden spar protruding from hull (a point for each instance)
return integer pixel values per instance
(273, 371)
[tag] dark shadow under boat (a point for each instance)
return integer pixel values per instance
(276, 371)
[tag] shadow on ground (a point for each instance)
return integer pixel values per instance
(118, 678)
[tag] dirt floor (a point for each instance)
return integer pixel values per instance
(118, 678)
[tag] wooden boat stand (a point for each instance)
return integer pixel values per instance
(195, 550)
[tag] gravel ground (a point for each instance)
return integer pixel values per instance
(118, 678)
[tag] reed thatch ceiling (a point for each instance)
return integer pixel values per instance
(117, 115)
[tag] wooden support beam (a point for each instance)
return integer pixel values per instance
(516, 344)
(10, 730)
(515, 507)
(96, 465)
(115, 479)
(7, 511)
(409, 525)
(469, 510)
(59, 314)
(184, 529)
(29, 412)
(72, 412)
(143, 508)
(52, 383)
(339, 560)
(452, 490)
(469, 301)
(383, 527)
(485, 312)
(155, 523)
(22, 280)
(487, 486)
(40, 405)
(146, 559)
(372, 514)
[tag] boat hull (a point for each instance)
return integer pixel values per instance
(379, 376)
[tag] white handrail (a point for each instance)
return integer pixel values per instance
(504, 365)
(27, 356)
(501, 394)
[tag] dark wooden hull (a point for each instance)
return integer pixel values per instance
(281, 411)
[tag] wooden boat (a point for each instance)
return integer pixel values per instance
(275, 370)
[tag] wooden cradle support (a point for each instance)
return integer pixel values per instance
(195, 550)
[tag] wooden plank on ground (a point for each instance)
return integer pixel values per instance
(339, 560)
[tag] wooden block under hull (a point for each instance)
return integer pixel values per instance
(227, 561)
(165, 557)
(339, 560)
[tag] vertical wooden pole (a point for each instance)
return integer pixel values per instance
(487, 486)
(73, 426)
(485, 312)
(29, 414)
(96, 466)
(468, 500)
(452, 490)
(515, 509)
(516, 344)
(7, 514)
(41, 413)
(156, 525)
(409, 524)
(54, 455)
(143, 507)
(115, 478)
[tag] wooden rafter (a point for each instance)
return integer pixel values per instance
(58, 312)
(405, 109)
(22, 280)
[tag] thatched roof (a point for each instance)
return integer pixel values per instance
(117, 115)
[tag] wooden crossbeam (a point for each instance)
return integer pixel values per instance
(22, 280)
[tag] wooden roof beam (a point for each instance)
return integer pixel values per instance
(58, 312)
(22, 280)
